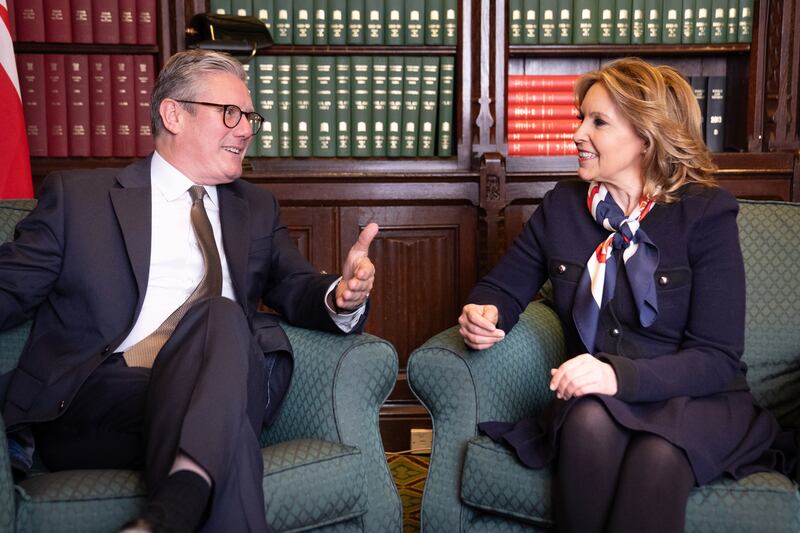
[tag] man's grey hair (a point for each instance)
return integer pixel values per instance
(183, 74)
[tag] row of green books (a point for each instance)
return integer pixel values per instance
(353, 106)
(630, 21)
(351, 22)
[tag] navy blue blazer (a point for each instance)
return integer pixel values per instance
(79, 267)
(694, 348)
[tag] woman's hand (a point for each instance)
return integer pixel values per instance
(583, 374)
(478, 326)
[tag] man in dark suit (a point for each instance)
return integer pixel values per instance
(176, 248)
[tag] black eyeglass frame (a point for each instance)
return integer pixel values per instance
(251, 115)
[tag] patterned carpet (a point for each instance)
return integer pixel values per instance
(409, 473)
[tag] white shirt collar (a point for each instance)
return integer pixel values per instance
(171, 183)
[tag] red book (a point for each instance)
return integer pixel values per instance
(541, 97)
(146, 21)
(57, 21)
(143, 84)
(82, 21)
(102, 118)
(56, 99)
(12, 25)
(29, 20)
(538, 148)
(127, 21)
(30, 68)
(123, 104)
(78, 114)
(543, 126)
(521, 82)
(517, 137)
(105, 21)
(547, 111)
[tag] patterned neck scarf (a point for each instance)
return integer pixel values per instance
(598, 280)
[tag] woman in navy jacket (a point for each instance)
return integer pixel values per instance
(648, 281)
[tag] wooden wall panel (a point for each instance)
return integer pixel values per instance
(314, 231)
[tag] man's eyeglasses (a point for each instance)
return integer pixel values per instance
(232, 114)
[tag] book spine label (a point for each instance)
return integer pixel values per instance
(264, 10)
(715, 113)
(528, 137)
(101, 112)
(412, 68)
(29, 21)
(444, 133)
(343, 83)
(699, 85)
(267, 105)
(622, 22)
(301, 110)
(284, 23)
(652, 21)
(541, 97)
(428, 106)
(434, 18)
(76, 69)
(320, 24)
(394, 114)
(450, 22)
(105, 26)
(324, 106)
(586, 16)
(32, 86)
(547, 111)
(127, 21)
(380, 96)
(337, 21)
(143, 85)
(361, 106)
(733, 21)
(57, 21)
(702, 22)
(82, 21)
(744, 33)
(285, 106)
(146, 30)
(564, 22)
(687, 21)
(375, 22)
(719, 21)
(303, 19)
(414, 18)
(543, 126)
(523, 83)
(671, 30)
(56, 101)
(547, 21)
(605, 17)
(355, 21)
(395, 29)
(244, 8)
(124, 105)
(515, 23)
(542, 148)
(637, 22)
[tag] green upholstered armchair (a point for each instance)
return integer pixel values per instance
(324, 467)
(476, 485)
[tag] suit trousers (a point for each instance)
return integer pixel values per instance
(205, 397)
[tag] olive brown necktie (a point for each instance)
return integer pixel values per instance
(144, 352)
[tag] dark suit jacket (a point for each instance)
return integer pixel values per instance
(79, 266)
(695, 346)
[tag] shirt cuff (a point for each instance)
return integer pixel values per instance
(344, 321)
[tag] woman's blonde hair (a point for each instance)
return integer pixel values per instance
(662, 108)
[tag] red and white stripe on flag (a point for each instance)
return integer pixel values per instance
(15, 162)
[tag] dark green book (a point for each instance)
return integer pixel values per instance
(414, 19)
(342, 78)
(267, 105)
(547, 21)
(412, 68)
(301, 106)
(444, 133)
(586, 17)
(285, 106)
(376, 23)
(361, 106)
(380, 95)
(428, 104)
(220, 7)
(744, 33)
(637, 22)
(622, 21)
(671, 30)
(564, 22)
(355, 21)
(515, 22)
(250, 74)
(323, 110)
(719, 21)
(394, 114)
(433, 22)
(702, 22)
(337, 21)
(242, 8)
(320, 21)
(715, 113)
(699, 85)
(687, 21)
(450, 22)
(530, 21)
(605, 17)
(395, 31)
(653, 25)
(263, 9)
(284, 16)
(733, 21)
(303, 20)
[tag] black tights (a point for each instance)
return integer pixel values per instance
(609, 478)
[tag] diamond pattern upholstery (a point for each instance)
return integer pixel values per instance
(324, 467)
(476, 485)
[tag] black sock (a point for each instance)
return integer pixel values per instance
(178, 505)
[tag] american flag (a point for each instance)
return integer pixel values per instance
(15, 163)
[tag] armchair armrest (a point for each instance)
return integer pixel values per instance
(461, 387)
(338, 386)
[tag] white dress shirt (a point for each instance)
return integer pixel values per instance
(176, 263)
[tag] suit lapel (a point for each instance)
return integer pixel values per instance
(132, 206)
(235, 220)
